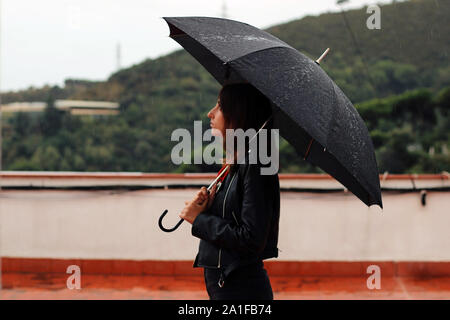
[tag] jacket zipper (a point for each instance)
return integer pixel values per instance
(223, 213)
(235, 219)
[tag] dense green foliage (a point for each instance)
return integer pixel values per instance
(381, 73)
(410, 50)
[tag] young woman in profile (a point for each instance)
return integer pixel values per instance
(237, 223)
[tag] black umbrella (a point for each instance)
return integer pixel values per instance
(309, 109)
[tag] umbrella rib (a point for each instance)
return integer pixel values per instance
(256, 51)
(309, 147)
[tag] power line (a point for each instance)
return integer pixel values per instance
(356, 45)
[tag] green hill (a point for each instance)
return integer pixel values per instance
(373, 67)
(410, 50)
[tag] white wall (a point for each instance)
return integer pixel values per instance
(123, 225)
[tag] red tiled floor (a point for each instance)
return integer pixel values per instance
(184, 267)
(53, 286)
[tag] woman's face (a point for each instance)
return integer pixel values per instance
(217, 121)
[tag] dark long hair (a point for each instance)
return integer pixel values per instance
(245, 107)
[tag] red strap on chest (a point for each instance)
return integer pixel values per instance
(224, 167)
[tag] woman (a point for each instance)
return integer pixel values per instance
(238, 221)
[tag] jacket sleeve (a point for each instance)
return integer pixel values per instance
(250, 236)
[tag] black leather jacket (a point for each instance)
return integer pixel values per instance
(241, 225)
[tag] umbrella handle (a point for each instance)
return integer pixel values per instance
(165, 229)
(181, 220)
(209, 189)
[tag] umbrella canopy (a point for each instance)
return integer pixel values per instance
(309, 109)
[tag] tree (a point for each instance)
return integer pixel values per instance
(51, 119)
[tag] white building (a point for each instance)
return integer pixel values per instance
(75, 107)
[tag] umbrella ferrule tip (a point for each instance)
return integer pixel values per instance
(318, 61)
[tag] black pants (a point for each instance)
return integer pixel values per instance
(245, 283)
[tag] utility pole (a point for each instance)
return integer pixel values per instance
(118, 56)
(224, 10)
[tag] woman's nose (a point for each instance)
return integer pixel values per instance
(210, 113)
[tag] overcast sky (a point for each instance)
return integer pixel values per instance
(47, 41)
